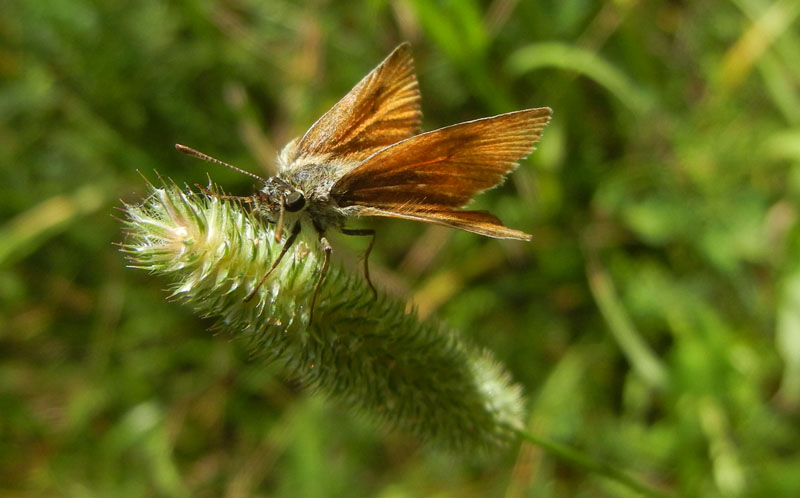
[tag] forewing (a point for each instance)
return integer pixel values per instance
(443, 169)
(479, 222)
(382, 109)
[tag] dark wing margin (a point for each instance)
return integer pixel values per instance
(430, 176)
(382, 109)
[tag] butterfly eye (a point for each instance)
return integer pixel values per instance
(294, 201)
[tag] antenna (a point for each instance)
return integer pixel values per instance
(205, 157)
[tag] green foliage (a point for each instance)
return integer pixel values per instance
(652, 321)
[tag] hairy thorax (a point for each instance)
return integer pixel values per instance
(315, 182)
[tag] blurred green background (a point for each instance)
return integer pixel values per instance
(654, 321)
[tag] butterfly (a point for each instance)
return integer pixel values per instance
(367, 157)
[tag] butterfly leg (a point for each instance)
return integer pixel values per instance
(326, 247)
(371, 233)
(289, 243)
(221, 196)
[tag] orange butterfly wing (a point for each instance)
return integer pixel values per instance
(382, 109)
(429, 176)
(479, 222)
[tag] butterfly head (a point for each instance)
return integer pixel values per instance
(277, 196)
(275, 199)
